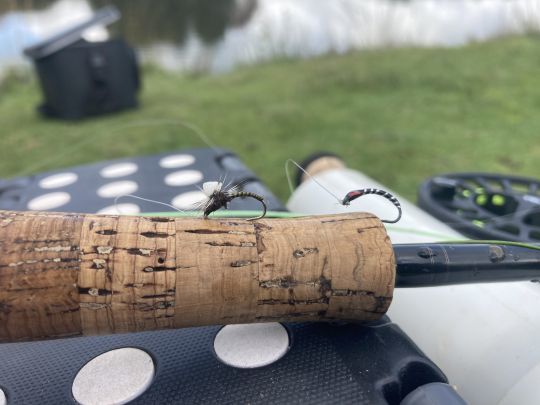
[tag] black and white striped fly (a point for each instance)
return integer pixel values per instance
(353, 195)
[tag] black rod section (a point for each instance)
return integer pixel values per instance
(438, 264)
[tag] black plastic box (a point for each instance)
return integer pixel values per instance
(87, 79)
(81, 79)
(375, 364)
(147, 178)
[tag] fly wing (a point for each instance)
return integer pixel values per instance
(210, 187)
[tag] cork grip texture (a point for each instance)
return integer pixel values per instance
(73, 274)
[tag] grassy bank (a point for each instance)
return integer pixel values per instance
(398, 115)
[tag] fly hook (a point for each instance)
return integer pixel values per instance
(353, 195)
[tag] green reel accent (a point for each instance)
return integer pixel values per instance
(498, 200)
(478, 223)
(481, 199)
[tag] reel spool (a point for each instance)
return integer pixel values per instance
(485, 206)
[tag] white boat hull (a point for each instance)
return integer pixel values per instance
(485, 337)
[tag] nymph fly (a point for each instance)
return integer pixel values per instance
(353, 195)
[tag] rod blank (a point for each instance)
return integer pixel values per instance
(424, 265)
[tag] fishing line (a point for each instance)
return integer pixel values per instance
(341, 201)
(121, 128)
(150, 122)
(228, 214)
(195, 211)
(289, 181)
(144, 199)
(412, 231)
(208, 142)
(494, 242)
(217, 197)
(350, 196)
(492, 219)
(446, 239)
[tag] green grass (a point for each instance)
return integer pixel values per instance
(399, 115)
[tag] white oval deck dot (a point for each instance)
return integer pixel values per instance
(117, 189)
(250, 346)
(58, 180)
(183, 178)
(3, 399)
(120, 209)
(176, 161)
(189, 200)
(49, 201)
(114, 377)
(118, 170)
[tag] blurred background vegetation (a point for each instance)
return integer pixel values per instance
(397, 113)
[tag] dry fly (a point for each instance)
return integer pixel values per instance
(218, 197)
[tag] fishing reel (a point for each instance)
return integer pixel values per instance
(485, 206)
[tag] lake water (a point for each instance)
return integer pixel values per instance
(215, 36)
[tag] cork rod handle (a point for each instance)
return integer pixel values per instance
(75, 274)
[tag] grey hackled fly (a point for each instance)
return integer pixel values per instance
(217, 198)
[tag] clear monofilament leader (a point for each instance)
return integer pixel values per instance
(217, 196)
(351, 195)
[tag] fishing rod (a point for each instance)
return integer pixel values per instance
(440, 264)
(65, 274)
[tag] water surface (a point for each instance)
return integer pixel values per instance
(216, 36)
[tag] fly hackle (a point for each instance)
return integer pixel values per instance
(218, 197)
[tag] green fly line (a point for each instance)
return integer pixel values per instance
(283, 214)
(149, 122)
(223, 214)
(494, 242)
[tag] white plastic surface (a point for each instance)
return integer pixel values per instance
(117, 189)
(115, 377)
(485, 337)
(49, 201)
(183, 178)
(119, 170)
(120, 209)
(251, 345)
(521, 393)
(3, 400)
(175, 161)
(58, 180)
